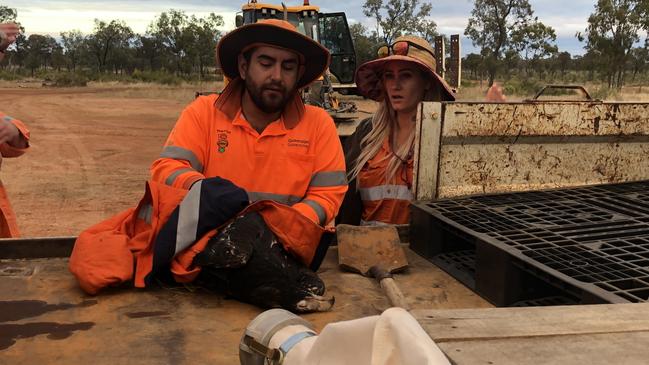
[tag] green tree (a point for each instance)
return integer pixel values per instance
(500, 26)
(108, 38)
(169, 30)
(396, 17)
(74, 45)
(149, 49)
(190, 42)
(365, 45)
(7, 14)
(534, 40)
(639, 59)
(203, 34)
(612, 31)
(563, 62)
(39, 50)
(474, 64)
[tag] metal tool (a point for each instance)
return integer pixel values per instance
(373, 251)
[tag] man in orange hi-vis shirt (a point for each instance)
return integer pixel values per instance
(258, 133)
(256, 148)
(14, 140)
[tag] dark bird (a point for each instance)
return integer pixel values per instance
(246, 260)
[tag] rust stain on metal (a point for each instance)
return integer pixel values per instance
(574, 118)
(496, 148)
(479, 169)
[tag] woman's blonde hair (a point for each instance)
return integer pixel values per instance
(384, 124)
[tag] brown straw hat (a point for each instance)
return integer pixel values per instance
(276, 33)
(406, 48)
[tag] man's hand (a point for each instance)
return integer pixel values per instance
(11, 31)
(10, 134)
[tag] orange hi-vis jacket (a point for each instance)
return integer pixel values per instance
(385, 202)
(170, 226)
(297, 160)
(8, 224)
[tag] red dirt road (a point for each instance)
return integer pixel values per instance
(90, 153)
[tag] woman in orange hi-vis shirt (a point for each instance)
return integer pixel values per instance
(14, 140)
(379, 155)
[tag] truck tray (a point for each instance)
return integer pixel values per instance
(584, 245)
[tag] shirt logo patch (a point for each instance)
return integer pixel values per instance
(222, 143)
(298, 143)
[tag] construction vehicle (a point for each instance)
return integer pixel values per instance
(332, 31)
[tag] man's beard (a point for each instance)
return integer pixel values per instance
(264, 101)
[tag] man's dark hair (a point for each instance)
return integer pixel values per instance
(247, 54)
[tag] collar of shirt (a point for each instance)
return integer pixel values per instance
(275, 128)
(387, 151)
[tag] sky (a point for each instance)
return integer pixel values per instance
(54, 16)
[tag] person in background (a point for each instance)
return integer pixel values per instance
(379, 155)
(14, 140)
(495, 94)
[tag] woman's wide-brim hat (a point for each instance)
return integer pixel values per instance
(276, 33)
(369, 74)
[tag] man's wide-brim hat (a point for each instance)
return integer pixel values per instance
(421, 54)
(276, 33)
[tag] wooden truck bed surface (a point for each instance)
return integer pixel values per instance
(46, 319)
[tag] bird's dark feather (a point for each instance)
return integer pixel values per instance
(266, 275)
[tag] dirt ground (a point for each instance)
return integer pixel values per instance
(90, 153)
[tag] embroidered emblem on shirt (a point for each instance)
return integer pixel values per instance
(298, 143)
(222, 143)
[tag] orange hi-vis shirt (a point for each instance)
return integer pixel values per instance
(385, 202)
(297, 160)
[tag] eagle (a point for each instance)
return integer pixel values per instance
(246, 261)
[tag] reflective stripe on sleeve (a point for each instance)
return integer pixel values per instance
(329, 178)
(174, 175)
(146, 213)
(381, 192)
(319, 210)
(280, 198)
(188, 215)
(179, 153)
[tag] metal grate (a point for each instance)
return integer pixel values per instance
(595, 235)
(542, 302)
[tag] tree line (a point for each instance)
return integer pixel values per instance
(513, 41)
(510, 39)
(174, 42)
